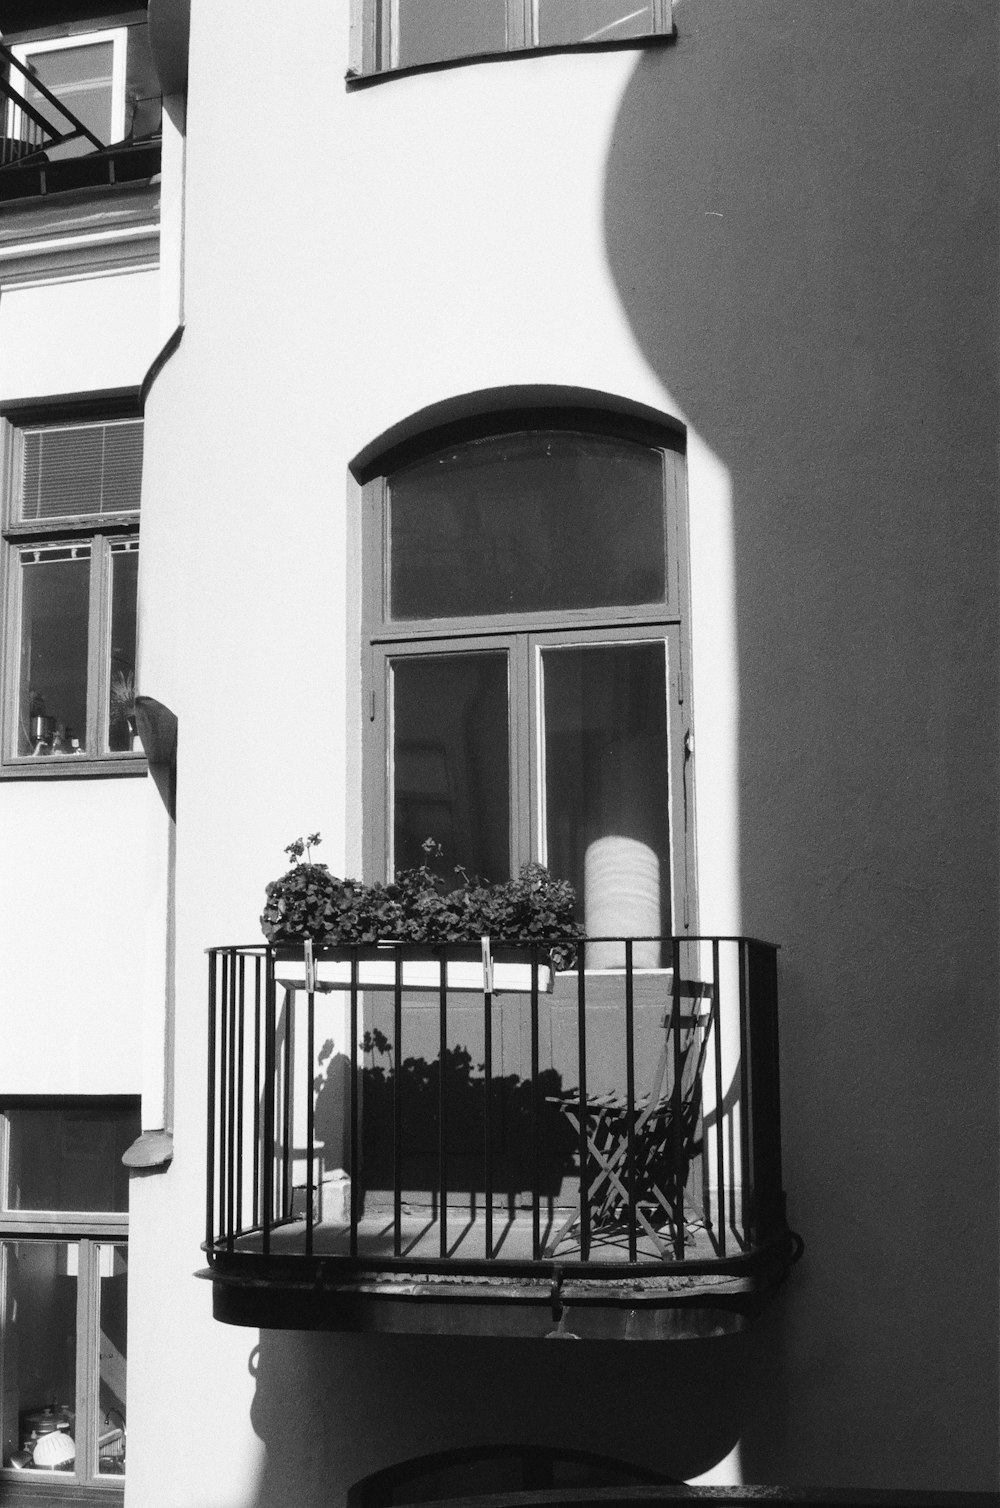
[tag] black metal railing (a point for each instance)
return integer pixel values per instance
(399, 1107)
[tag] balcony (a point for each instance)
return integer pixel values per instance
(453, 1141)
(46, 149)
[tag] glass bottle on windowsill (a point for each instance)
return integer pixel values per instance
(41, 734)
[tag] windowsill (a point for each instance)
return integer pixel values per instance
(355, 81)
(73, 767)
(54, 1487)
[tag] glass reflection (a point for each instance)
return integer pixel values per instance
(55, 599)
(527, 523)
(39, 1354)
(451, 762)
(606, 790)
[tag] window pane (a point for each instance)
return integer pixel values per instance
(80, 77)
(527, 522)
(451, 762)
(563, 21)
(72, 470)
(39, 1354)
(112, 1353)
(606, 790)
(70, 1157)
(55, 603)
(121, 672)
(430, 31)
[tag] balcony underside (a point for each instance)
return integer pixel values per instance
(464, 1293)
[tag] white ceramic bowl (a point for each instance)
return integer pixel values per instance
(54, 1449)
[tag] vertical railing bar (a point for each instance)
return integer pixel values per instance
(213, 965)
(258, 962)
(715, 1026)
(267, 1151)
(581, 1029)
(223, 1091)
(630, 1098)
(536, 1209)
(240, 1091)
(231, 1106)
(352, 1050)
(397, 1110)
(286, 1116)
(442, 1105)
(678, 1106)
(488, 1120)
(310, 1117)
(773, 1109)
(746, 1094)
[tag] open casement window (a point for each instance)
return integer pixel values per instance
(71, 541)
(523, 607)
(63, 1291)
(86, 73)
(394, 34)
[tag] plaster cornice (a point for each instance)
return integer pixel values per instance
(80, 236)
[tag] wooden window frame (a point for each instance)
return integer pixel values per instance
(87, 1231)
(525, 636)
(105, 534)
(374, 50)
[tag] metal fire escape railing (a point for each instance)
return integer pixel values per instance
(634, 1125)
(36, 132)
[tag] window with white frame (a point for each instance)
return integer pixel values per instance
(63, 1288)
(71, 540)
(85, 73)
(524, 594)
(395, 34)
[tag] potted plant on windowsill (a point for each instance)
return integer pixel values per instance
(319, 926)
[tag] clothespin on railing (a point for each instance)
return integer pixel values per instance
(310, 979)
(487, 967)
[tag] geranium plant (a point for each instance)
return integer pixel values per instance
(418, 907)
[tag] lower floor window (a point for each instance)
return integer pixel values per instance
(64, 1287)
(64, 1356)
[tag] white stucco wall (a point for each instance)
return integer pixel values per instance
(540, 221)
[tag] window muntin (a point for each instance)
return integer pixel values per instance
(397, 34)
(536, 522)
(86, 73)
(72, 545)
(586, 756)
(63, 1287)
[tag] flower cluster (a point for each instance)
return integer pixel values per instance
(418, 907)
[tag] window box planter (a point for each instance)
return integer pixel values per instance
(475, 968)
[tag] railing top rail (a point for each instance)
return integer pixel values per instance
(539, 942)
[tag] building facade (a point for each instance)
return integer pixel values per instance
(567, 432)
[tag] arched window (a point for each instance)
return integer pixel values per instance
(523, 614)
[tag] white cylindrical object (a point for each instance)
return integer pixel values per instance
(621, 898)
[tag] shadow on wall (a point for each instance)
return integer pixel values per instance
(800, 217)
(670, 1407)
